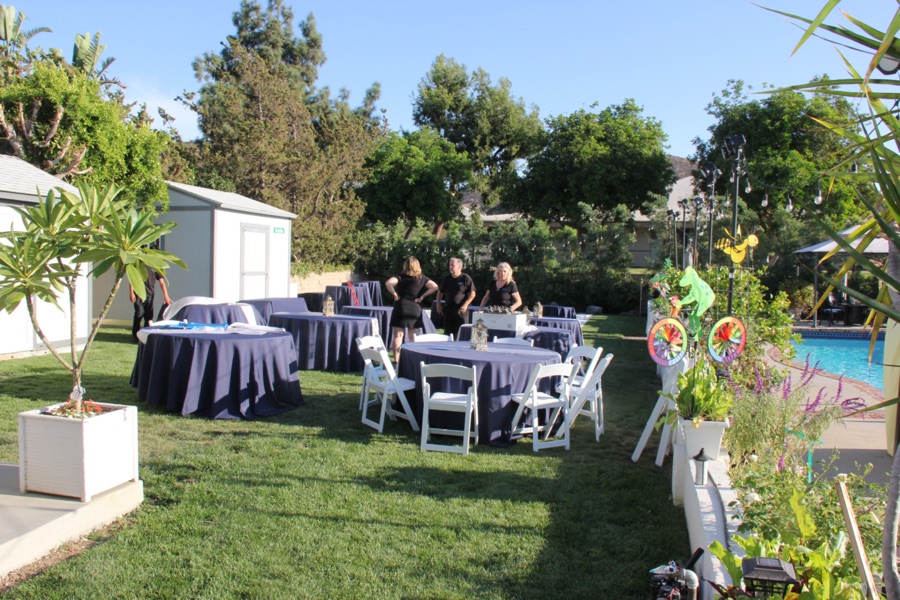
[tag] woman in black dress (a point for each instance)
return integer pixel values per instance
(408, 289)
(503, 290)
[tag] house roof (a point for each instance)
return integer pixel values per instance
(683, 188)
(877, 246)
(21, 181)
(229, 200)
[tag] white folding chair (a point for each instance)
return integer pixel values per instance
(535, 400)
(434, 337)
(587, 399)
(585, 358)
(376, 343)
(466, 402)
(513, 341)
(385, 385)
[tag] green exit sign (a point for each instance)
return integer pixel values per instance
(279, 229)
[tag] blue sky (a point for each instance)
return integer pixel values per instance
(671, 56)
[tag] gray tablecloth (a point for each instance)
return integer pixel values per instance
(501, 372)
(268, 306)
(325, 343)
(571, 324)
(216, 313)
(218, 375)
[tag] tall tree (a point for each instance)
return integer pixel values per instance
(602, 159)
(414, 175)
(263, 142)
(15, 56)
(483, 120)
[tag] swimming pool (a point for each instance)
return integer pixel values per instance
(844, 356)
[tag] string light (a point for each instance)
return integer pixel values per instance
(790, 205)
(765, 200)
(748, 189)
(818, 199)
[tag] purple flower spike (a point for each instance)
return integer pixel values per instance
(815, 404)
(837, 397)
(780, 466)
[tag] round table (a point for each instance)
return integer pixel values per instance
(325, 343)
(218, 375)
(554, 310)
(268, 306)
(501, 371)
(218, 313)
(548, 338)
(571, 324)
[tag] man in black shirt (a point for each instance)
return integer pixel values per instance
(457, 291)
(143, 309)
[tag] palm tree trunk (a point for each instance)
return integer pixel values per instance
(892, 506)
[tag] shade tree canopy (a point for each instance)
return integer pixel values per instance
(603, 159)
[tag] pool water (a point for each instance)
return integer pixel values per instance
(844, 356)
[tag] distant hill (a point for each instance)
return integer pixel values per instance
(682, 166)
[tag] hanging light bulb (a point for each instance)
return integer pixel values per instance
(818, 199)
(748, 189)
(790, 205)
(765, 200)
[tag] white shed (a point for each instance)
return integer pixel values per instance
(235, 248)
(21, 184)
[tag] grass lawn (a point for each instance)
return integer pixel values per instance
(313, 504)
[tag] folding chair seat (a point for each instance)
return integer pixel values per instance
(536, 400)
(376, 343)
(587, 399)
(434, 337)
(513, 341)
(465, 402)
(385, 385)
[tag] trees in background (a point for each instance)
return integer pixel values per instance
(484, 121)
(614, 157)
(269, 133)
(415, 175)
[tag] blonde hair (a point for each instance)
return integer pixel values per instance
(504, 264)
(411, 267)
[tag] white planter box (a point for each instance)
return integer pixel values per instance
(78, 457)
(513, 322)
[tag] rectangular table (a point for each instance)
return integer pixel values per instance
(225, 313)
(500, 370)
(269, 306)
(326, 343)
(218, 375)
(554, 310)
(383, 314)
(571, 324)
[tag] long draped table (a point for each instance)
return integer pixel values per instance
(342, 296)
(383, 314)
(374, 288)
(563, 312)
(268, 306)
(325, 343)
(218, 313)
(218, 375)
(571, 324)
(500, 370)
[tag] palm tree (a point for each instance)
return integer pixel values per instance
(14, 41)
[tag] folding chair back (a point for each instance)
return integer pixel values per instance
(513, 341)
(587, 399)
(376, 343)
(434, 337)
(466, 403)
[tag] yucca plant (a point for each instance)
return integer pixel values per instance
(877, 149)
(63, 234)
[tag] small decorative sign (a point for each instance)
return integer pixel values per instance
(278, 229)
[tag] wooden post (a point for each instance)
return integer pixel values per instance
(862, 563)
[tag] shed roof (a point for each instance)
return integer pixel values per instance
(229, 200)
(20, 180)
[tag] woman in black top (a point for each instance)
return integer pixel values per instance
(503, 290)
(408, 290)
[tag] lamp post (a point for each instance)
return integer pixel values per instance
(683, 203)
(711, 173)
(734, 147)
(698, 206)
(671, 218)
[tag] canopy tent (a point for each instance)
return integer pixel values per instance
(877, 246)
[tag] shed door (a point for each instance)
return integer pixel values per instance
(254, 261)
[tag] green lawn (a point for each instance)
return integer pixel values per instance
(313, 504)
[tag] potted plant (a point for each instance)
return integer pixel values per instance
(702, 404)
(78, 447)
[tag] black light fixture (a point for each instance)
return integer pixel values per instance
(888, 65)
(732, 145)
(765, 577)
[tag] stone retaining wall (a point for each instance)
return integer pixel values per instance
(317, 282)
